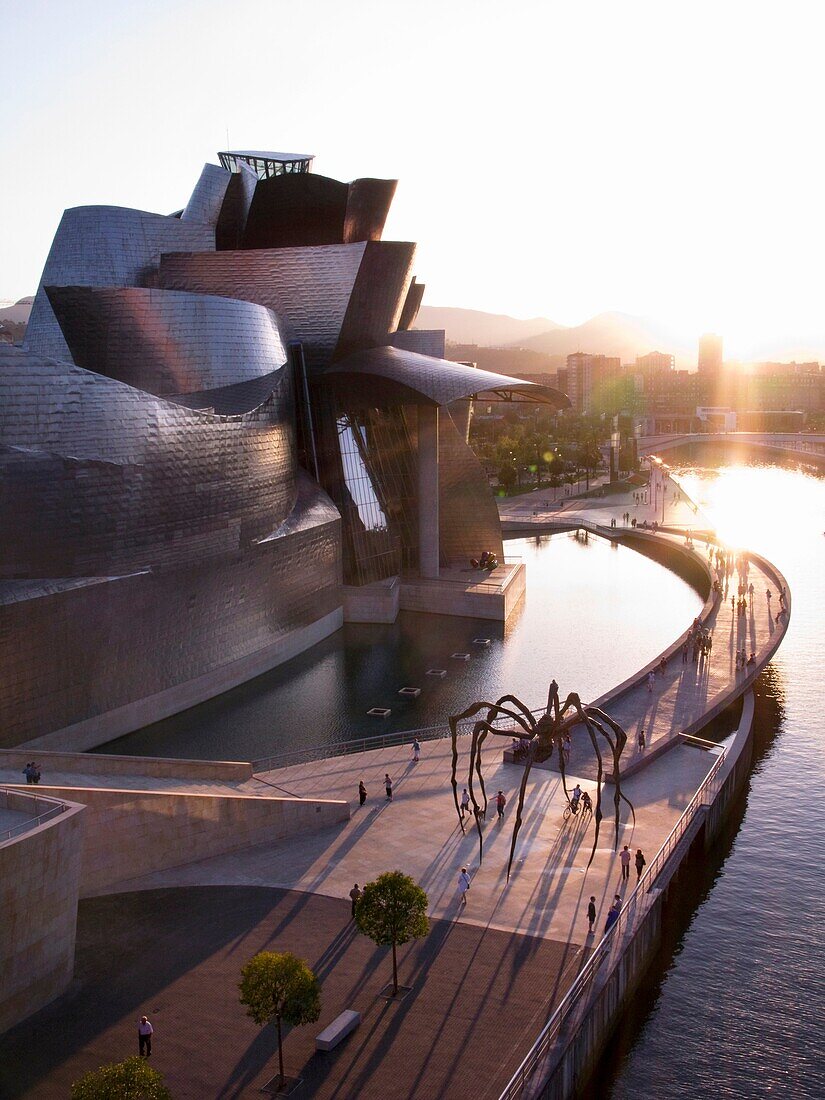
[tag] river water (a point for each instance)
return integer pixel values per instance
(737, 1008)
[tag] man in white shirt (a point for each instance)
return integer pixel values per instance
(145, 1032)
(463, 885)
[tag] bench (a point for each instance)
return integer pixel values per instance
(340, 1027)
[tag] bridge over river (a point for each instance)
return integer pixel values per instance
(802, 446)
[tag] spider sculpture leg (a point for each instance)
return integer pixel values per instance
(453, 723)
(618, 748)
(484, 725)
(527, 723)
(575, 703)
(528, 726)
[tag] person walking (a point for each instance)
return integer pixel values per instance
(362, 793)
(501, 802)
(416, 749)
(464, 806)
(640, 863)
(388, 786)
(463, 885)
(613, 913)
(145, 1033)
(651, 680)
(356, 893)
(591, 913)
(641, 739)
(624, 856)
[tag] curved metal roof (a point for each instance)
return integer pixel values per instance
(396, 375)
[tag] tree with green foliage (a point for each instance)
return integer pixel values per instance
(393, 911)
(280, 986)
(129, 1080)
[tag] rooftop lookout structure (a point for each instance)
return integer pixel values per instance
(266, 164)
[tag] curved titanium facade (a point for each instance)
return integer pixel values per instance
(101, 478)
(97, 658)
(159, 542)
(208, 197)
(420, 379)
(292, 211)
(167, 342)
(308, 288)
(333, 300)
(412, 304)
(105, 246)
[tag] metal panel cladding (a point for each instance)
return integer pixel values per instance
(165, 341)
(99, 478)
(309, 288)
(208, 197)
(106, 246)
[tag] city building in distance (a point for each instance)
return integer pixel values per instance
(710, 353)
(219, 435)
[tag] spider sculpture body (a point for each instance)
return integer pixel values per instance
(544, 735)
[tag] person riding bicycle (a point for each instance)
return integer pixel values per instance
(587, 805)
(574, 798)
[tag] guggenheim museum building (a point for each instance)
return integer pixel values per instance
(220, 432)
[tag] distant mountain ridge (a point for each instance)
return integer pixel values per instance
(606, 334)
(16, 313)
(472, 326)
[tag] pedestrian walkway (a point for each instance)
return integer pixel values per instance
(418, 833)
(176, 955)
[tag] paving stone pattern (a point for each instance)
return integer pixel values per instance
(478, 999)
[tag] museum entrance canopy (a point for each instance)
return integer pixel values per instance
(385, 376)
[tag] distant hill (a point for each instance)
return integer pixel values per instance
(606, 334)
(16, 313)
(471, 326)
(611, 334)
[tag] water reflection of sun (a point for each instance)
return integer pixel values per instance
(739, 498)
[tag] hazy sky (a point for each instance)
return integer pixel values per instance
(556, 158)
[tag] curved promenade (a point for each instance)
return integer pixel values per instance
(673, 785)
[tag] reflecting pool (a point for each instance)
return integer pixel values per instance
(593, 614)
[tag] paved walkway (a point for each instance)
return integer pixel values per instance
(478, 999)
(663, 502)
(484, 979)
(418, 833)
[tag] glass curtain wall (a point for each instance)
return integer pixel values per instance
(368, 468)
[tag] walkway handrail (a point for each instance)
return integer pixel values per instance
(704, 796)
(55, 807)
(368, 744)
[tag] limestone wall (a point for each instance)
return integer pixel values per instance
(39, 880)
(130, 833)
(156, 767)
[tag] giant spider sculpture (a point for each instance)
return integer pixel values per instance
(544, 735)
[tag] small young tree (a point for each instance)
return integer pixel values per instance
(280, 986)
(392, 910)
(129, 1080)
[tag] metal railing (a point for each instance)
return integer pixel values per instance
(550, 1032)
(54, 809)
(376, 741)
